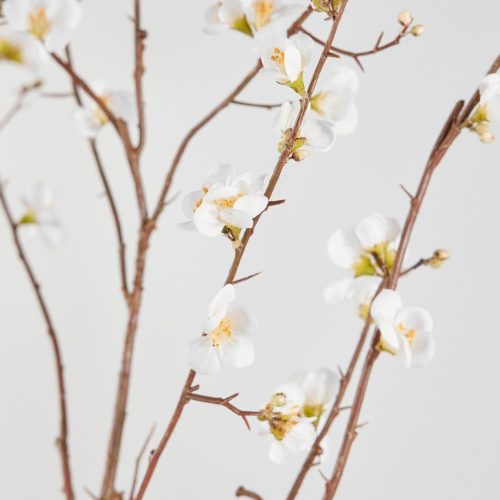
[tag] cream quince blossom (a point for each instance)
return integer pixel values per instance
(488, 110)
(314, 134)
(39, 216)
(225, 335)
(91, 118)
(284, 59)
(226, 203)
(262, 13)
(49, 21)
(320, 388)
(290, 433)
(20, 48)
(225, 15)
(404, 330)
(368, 251)
(336, 101)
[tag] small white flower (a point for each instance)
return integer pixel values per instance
(284, 59)
(39, 215)
(225, 15)
(489, 90)
(20, 48)
(91, 118)
(404, 330)
(226, 202)
(225, 336)
(290, 433)
(336, 101)
(261, 13)
(320, 388)
(314, 134)
(368, 250)
(50, 21)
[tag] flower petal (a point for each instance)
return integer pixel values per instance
(202, 356)
(340, 290)
(252, 204)
(377, 229)
(415, 318)
(386, 307)
(344, 248)
(320, 386)
(239, 352)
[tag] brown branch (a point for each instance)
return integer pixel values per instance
(226, 402)
(138, 462)
(255, 104)
(243, 492)
(281, 162)
(140, 36)
(62, 440)
(108, 192)
(335, 51)
(449, 133)
(120, 127)
(23, 92)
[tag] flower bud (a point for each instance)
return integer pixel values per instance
(487, 137)
(418, 30)
(405, 18)
(278, 399)
(300, 155)
(482, 128)
(438, 258)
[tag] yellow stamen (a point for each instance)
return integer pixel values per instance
(38, 23)
(227, 202)
(99, 114)
(223, 332)
(9, 51)
(263, 10)
(409, 334)
(278, 57)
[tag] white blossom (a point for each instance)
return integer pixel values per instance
(49, 21)
(91, 118)
(368, 251)
(489, 90)
(225, 202)
(225, 335)
(336, 100)
(405, 331)
(314, 134)
(262, 13)
(225, 15)
(39, 215)
(289, 432)
(21, 48)
(284, 59)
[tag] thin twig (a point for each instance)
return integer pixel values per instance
(449, 133)
(281, 162)
(226, 402)
(62, 440)
(255, 104)
(140, 36)
(243, 492)
(138, 461)
(246, 278)
(23, 92)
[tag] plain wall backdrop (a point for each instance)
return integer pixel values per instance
(433, 433)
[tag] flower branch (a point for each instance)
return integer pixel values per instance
(243, 492)
(62, 439)
(449, 133)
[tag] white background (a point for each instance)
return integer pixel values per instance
(433, 433)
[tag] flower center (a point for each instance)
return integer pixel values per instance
(263, 10)
(409, 334)
(222, 333)
(29, 217)
(281, 425)
(278, 57)
(227, 202)
(98, 113)
(38, 23)
(9, 51)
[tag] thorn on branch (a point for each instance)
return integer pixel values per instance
(246, 278)
(243, 492)
(407, 192)
(360, 426)
(379, 41)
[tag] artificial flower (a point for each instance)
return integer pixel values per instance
(91, 118)
(404, 330)
(289, 432)
(20, 48)
(336, 101)
(488, 110)
(313, 135)
(39, 215)
(225, 335)
(284, 59)
(226, 203)
(262, 13)
(49, 21)
(225, 15)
